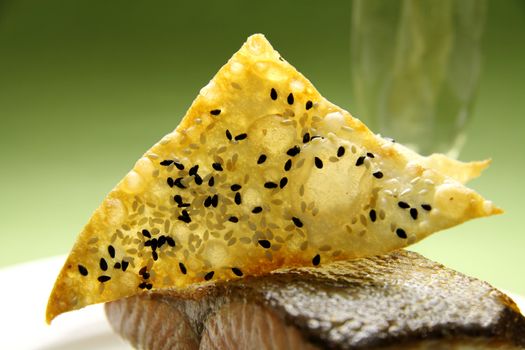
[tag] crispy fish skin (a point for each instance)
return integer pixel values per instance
(381, 302)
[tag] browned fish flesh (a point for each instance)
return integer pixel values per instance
(396, 301)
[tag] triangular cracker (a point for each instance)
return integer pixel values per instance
(261, 173)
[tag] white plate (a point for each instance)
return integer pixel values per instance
(23, 313)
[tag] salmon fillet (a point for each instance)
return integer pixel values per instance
(398, 300)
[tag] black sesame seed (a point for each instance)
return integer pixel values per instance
(211, 181)
(170, 182)
(401, 233)
(360, 161)
(256, 210)
(237, 198)
(179, 166)
(241, 137)
(83, 271)
(233, 219)
(215, 200)
(185, 217)
(182, 268)
(142, 285)
(207, 202)
(103, 264)
(178, 183)
(413, 213)
(316, 260)
(145, 275)
(340, 151)
(270, 185)
(228, 135)
(370, 155)
(288, 165)
(235, 187)
(162, 240)
(198, 179)
(208, 276)
(170, 241)
(297, 222)
(262, 159)
(143, 270)
(193, 170)
(149, 286)
(103, 278)
(166, 162)
(403, 205)
(125, 265)
(117, 265)
(273, 94)
(111, 251)
(146, 233)
(154, 255)
(309, 105)
(289, 99)
(378, 174)
(283, 182)
(265, 243)
(217, 166)
(427, 207)
(237, 271)
(292, 152)
(306, 138)
(147, 243)
(373, 215)
(318, 162)
(178, 199)
(215, 112)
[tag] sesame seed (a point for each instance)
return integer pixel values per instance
(193, 170)
(228, 135)
(318, 162)
(403, 205)
(215, 200)
(198, 179)
(170, 241)
(111, 251)
(235, 187)
(185, 217)
(178, 199)
(149, 286)
(427, 207)
(378, 174)
(103, 264)
(316, 260)
(145, 275)
(117, 265)
(270, 185)
(182, 268)
(237, 271)
(241, 137)
(288, 165)
(340, 151)
(125, 265)
(143, 270)
(170, 182)
(256, 210)
(162, 240)
(211, 181)
(142, 285)
(215, 112)
(413, 213)
(306, 137)
(166, 162)
(309, 105)
(103, 278)
(233, 219)
(217, 166)
(265, 243)
(297, 222)
(179, 166)
(401, 233)
(283, 182)
(292, 152)
(360, 161)
(237, 198)
(207, 202)
(273, 94)
(289, 99)
(83, 271)
(370, 155)
(373, 215)
(208, 276)
(262, 159)
(178, 183)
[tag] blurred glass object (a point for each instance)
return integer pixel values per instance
(415, 67)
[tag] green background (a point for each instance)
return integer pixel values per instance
(87, 86)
